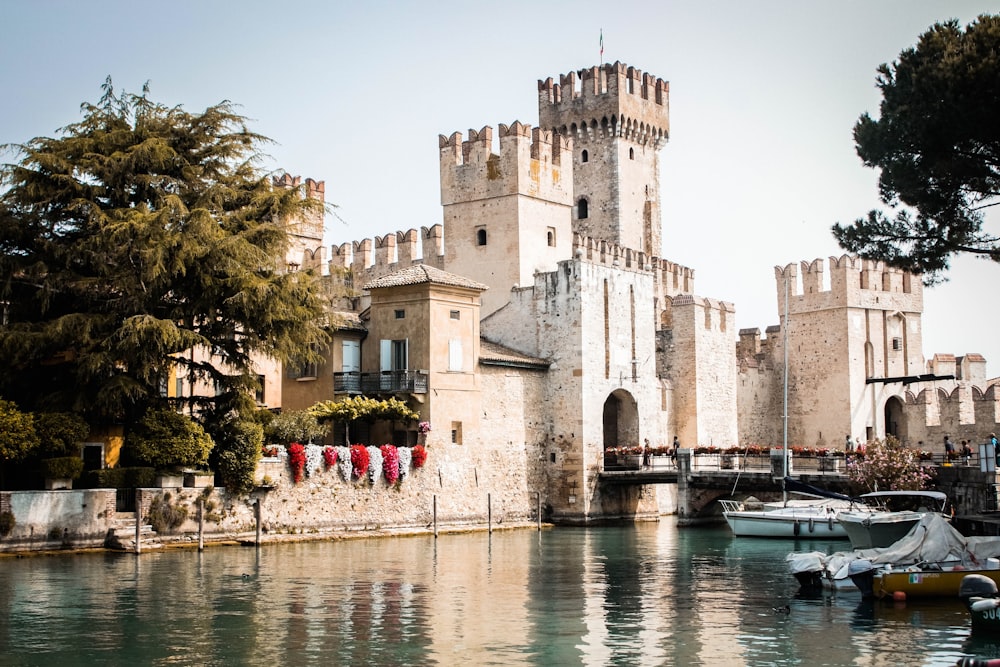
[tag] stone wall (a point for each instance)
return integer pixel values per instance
(57, 519)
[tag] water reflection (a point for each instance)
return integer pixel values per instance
(634, 595)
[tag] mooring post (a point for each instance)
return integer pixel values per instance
(489, 513)
(201, 523)
(138, 519)
(256, 512)
(435, 520)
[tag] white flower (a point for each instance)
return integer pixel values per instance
(374, 463)
(344, 463)
(314, 459)
(405, 456)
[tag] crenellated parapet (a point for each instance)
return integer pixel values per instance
(607, 101)
(852, 282)
(530, 161)
(313, 189)
(672, 278)
(375, 257)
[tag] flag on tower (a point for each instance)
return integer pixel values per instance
(602, 45)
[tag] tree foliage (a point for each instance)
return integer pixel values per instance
(363, 408)
(18, 437)
(888, 466)
(141, 233)
(937, 144)
(164, 439)
(60, 433)
(295, 426)
(237, 450)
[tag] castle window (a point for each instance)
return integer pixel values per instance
(581, 209)
(455, 314)
(400, 314)
(456, 433)
(550, 237)
(631, 154)
(584, 157)
(897, 343)
(480, 236)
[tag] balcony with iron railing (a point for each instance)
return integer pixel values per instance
(386, 382)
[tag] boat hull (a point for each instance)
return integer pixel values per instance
(875, 530)
(926, 584)
(784, 525)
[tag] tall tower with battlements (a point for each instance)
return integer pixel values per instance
(618, 118)
(854, 342)
(506, 213)
(305, 233)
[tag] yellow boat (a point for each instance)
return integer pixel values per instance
(925, 583)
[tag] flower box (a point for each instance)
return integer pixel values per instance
(661, 461)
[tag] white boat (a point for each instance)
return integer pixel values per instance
(792, 519)
(889, 516)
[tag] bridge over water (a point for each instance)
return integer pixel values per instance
(701, 480)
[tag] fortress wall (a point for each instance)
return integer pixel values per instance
(704, 372)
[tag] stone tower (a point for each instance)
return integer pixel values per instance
(507, 214)
(852, 341)
(305, 233)
(618, 119)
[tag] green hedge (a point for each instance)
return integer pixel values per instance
(122, 478)
(63, 467)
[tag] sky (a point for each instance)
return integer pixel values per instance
(763, 97)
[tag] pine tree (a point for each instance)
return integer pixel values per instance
(138, 235)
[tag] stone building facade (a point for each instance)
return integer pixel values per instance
(558, 228)
(535, 326)
(855, 365)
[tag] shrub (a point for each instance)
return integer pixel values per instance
(295, 426)
(64, 467)
(121, 478)
(164, 438)
(238, 445)
(60, 433)
(164, 516)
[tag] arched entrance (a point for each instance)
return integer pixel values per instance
(895, 422)
(621, 420)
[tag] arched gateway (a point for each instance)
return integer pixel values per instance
(621, 420)
(895, 421)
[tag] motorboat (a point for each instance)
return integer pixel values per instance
(979, 593)
(929, 561)
(887, 516)
(792, 519)
(811, 515)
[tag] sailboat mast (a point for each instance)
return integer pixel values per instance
(784, 399)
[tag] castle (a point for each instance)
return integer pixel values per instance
(535, 326)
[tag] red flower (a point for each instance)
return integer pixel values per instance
(390, 463)
(329, 456)
(297, 460)
(359, 460)
(419, 456)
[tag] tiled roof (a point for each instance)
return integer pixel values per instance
(344, 320)
(422, 273)
(498, 355)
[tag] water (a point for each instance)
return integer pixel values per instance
(649, 594)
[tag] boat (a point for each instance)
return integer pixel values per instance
(888, 516)
(813, 517)
(930, 561)
(979, 593)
